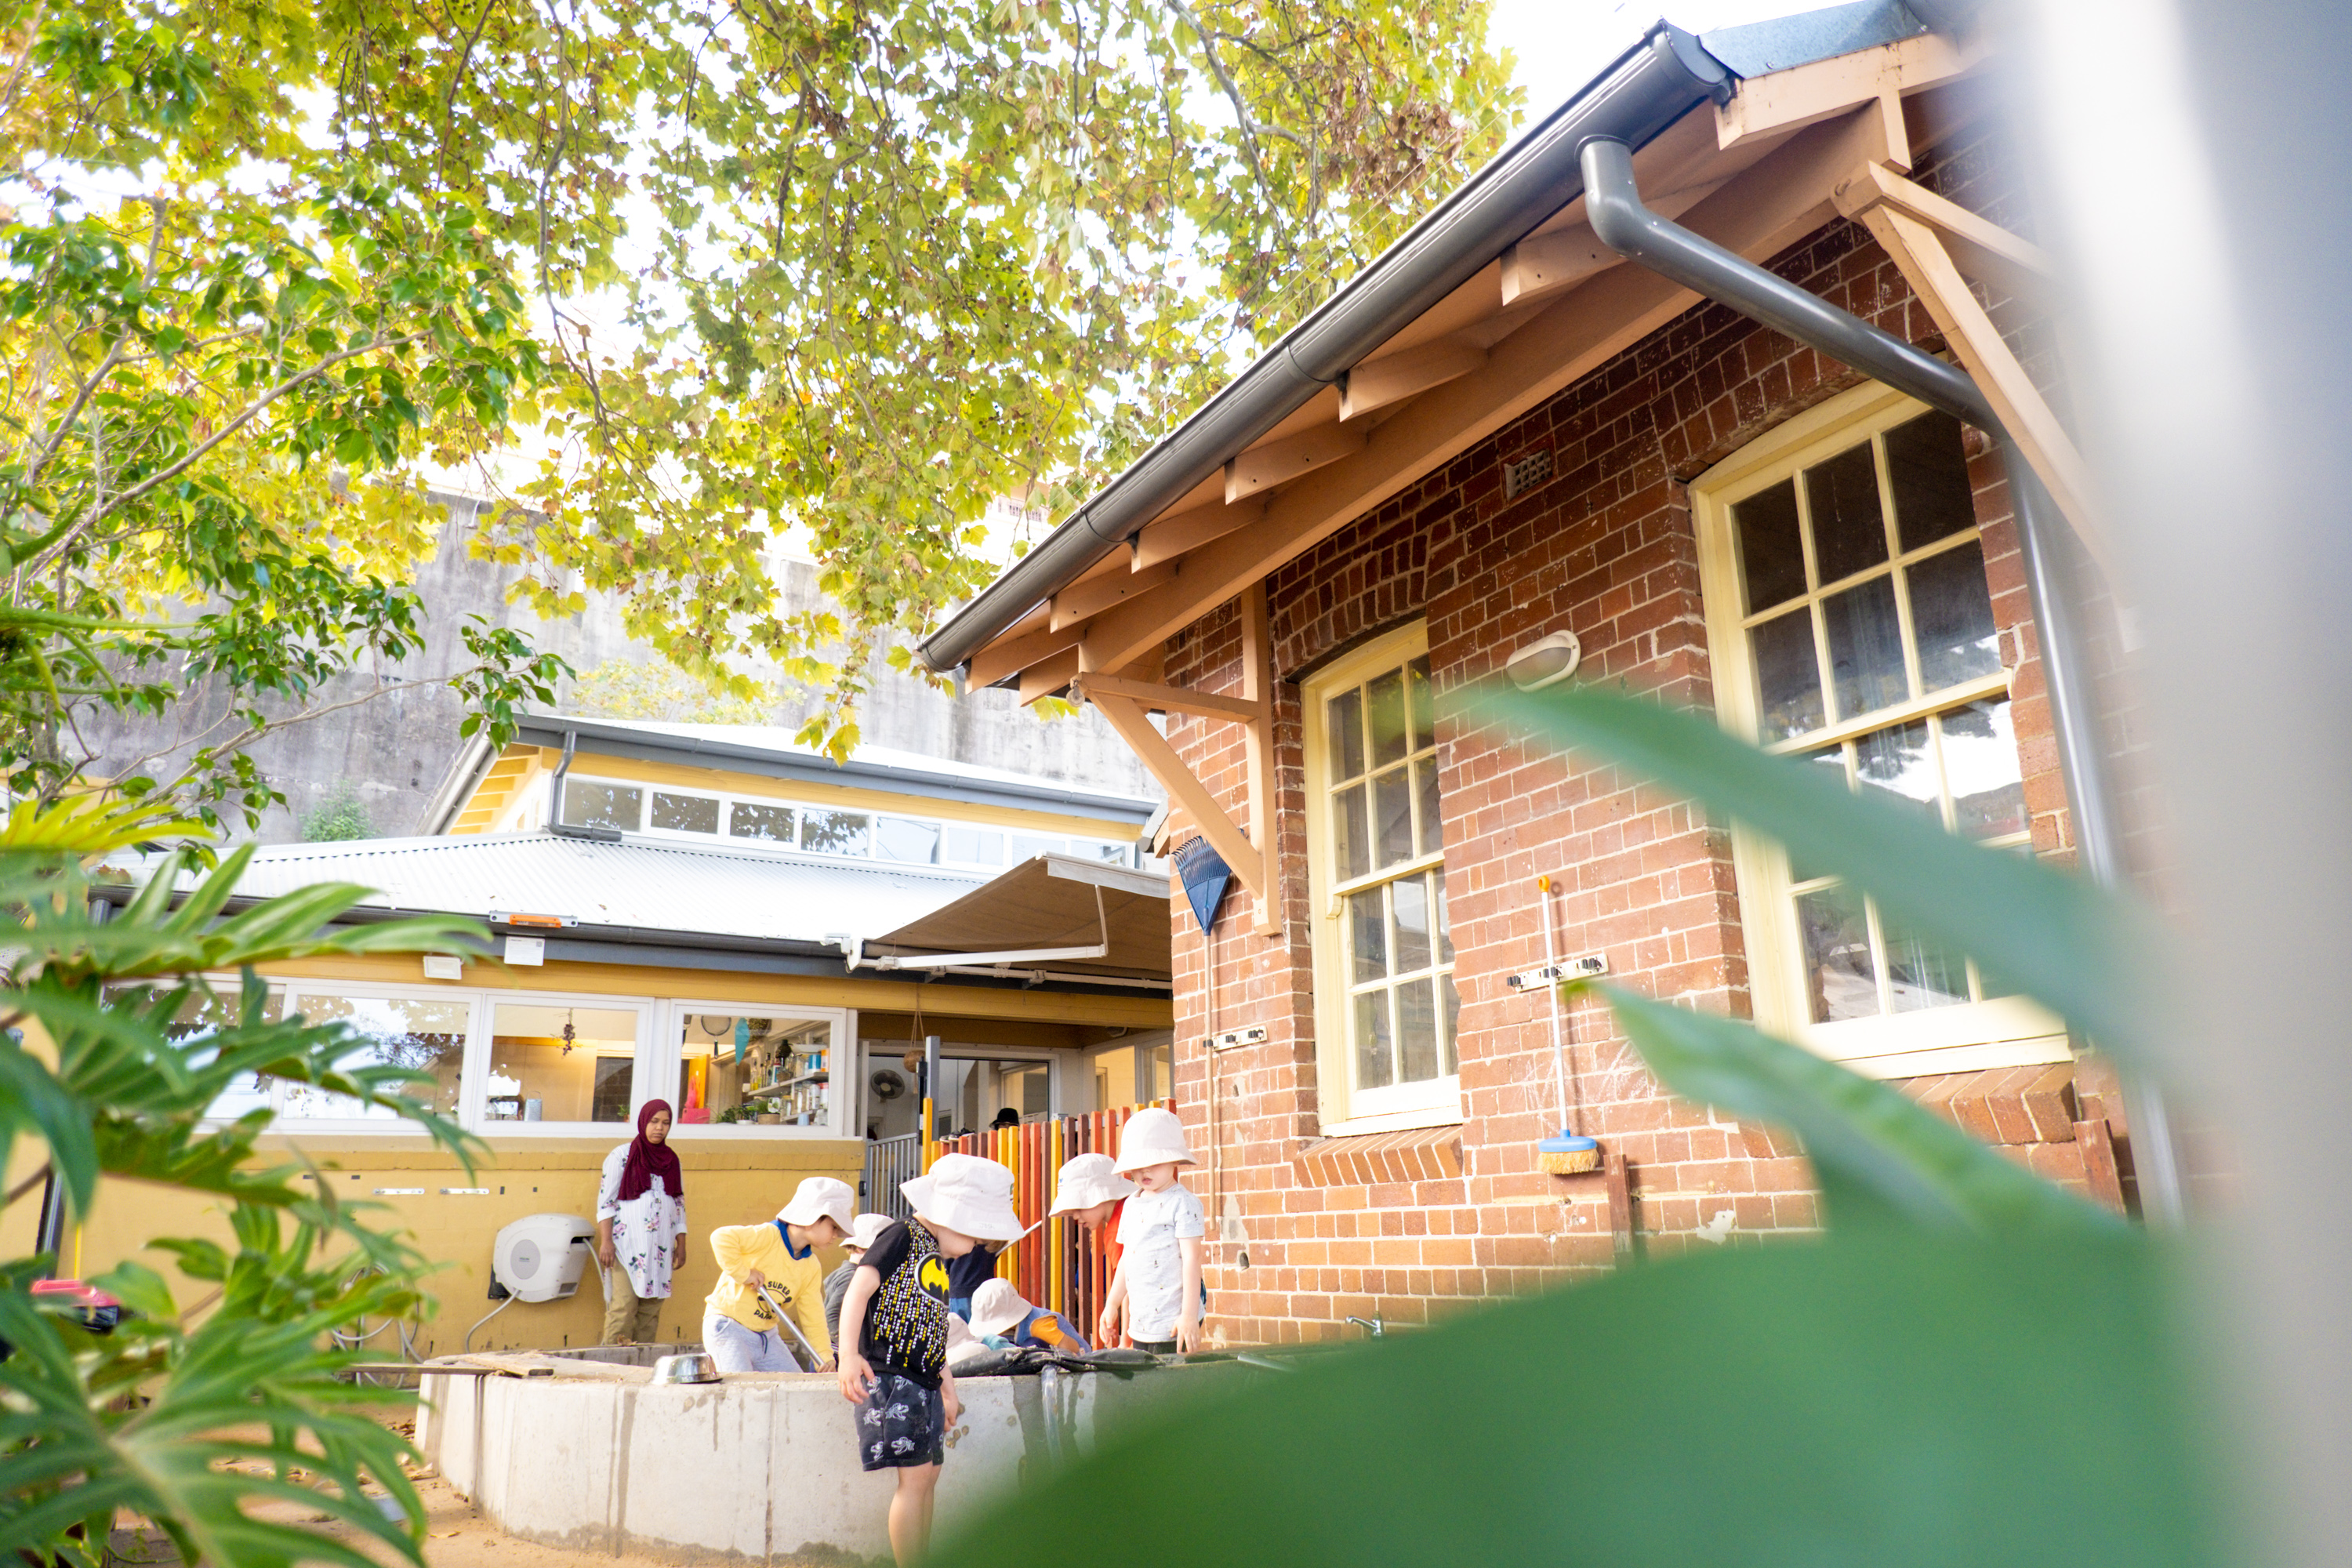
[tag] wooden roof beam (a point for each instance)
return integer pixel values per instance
(1169, 537)
(1090, 597)
(1807, 95)
(1980, 247)
(1278, 462)
(1784, 197)
(1382, 383)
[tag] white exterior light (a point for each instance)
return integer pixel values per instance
(1544, 663)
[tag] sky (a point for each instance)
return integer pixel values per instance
(1562, 44)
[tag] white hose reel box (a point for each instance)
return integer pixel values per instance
(540, 1257)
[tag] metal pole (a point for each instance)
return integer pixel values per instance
(2051, 584)
(930, 1098)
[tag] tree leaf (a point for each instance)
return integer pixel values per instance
(1897, 1397)
(1880, 1158)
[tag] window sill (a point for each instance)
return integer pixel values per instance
(1367, 1159)
(1396, 1122)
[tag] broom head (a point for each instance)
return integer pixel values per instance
(1567, 1155)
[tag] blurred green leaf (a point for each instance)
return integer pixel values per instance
(1879, 1155)
(2090, 957)
(1902, 1397)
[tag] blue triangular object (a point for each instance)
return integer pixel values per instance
(1204, 874)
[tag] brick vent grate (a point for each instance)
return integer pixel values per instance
(1526, 473)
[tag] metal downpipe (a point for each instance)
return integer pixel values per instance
(1613, 206)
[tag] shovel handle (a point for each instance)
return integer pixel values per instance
(808, 1351)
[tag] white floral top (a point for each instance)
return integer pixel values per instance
(644, 1229)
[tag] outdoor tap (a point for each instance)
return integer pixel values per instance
(1372, 1324)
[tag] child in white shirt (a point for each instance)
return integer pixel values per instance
(1157, 1288)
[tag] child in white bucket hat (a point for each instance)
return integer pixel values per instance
(1157, 1288)
(862, 1232)
(1089, 1188)
(894, 1333)
(738, 1329)
(998, 1311)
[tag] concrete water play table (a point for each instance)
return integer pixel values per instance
(593, 1455)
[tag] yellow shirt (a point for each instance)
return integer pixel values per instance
(796, 1283)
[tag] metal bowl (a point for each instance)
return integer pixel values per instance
(694, 1366)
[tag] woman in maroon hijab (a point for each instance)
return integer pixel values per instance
(640, 1228)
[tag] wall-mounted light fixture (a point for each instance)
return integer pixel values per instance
(1544, 663)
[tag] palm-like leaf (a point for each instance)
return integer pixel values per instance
(248, 1404)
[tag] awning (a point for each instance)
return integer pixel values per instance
(1054, 913)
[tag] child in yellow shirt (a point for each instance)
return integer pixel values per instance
(738, 1329)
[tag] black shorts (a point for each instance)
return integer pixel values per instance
(901, 1424)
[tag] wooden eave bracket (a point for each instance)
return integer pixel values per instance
(1781, 101)
(1921, 232)
(1124, 703)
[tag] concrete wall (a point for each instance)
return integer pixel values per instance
(756, 1467)
(394, 748)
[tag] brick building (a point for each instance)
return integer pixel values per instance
(1546, 439)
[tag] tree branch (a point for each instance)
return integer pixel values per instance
(198, 454)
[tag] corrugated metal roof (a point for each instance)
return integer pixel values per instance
(766, 895)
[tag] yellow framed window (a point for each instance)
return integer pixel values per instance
(1851, 623)
(1387, 1007)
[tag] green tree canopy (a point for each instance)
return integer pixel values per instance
(861, 270)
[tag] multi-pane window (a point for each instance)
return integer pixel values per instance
(1863, 581)
(1853, 624)
(853, 834)
(1394, 1005)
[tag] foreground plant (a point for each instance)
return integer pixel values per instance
(191, 1410)
(1973, 1366)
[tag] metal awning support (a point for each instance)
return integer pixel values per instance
(1614, 201)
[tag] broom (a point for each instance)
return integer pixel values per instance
(1569, 1152)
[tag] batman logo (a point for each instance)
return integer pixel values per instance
(933, 1276)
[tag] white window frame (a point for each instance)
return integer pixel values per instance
(1344, 1108)
(478, 1062)
(843, 1099)
(727, 801)
(658, 1057)
(2005, 1031)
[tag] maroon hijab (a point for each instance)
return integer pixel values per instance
(648, 1159)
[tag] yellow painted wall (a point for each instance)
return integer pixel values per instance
(677, 776)
(737, 1183)
(728, 1182)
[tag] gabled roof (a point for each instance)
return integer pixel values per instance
(627, 889)
(1502, 296)
(771, 751)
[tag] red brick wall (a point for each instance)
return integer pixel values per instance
(1402, 1227)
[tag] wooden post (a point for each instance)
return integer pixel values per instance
(1258, 682)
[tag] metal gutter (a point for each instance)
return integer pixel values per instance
(734, 756)
(652, 947)
(1613, 203)
(1649, 88)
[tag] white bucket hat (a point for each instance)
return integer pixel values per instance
(997, 1308)
(1153, 1137)
(1087, 1180)
(967, 1194)
(962, 1343)
(820, 1197)
(866, 1229)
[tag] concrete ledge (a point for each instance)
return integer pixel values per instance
(756, 1467)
